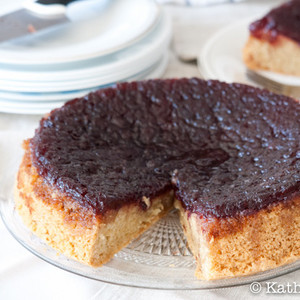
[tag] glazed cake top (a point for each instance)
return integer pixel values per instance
(225, 149)
(284, 20)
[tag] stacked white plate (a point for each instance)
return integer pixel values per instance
(105, 42)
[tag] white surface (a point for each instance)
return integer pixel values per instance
(221, 57)
(24, 276)
(91, 73)
(106, 27)
(196, 2)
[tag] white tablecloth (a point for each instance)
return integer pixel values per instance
(24, 276)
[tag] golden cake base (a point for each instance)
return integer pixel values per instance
(281, 56)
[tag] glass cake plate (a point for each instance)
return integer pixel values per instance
(159, 259)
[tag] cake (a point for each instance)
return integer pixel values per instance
(103, 168)
(274, 41)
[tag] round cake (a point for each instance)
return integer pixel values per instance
(103, 168)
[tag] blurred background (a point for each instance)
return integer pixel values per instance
(105, 42)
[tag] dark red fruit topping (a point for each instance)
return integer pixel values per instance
(226, 149)
(284, 20)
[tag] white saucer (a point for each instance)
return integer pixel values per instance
(45, 106)
(90, 73)
(221, 57)
(97, 28)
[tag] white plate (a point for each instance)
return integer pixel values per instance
(221, 57)
(44, 106)
(41, 97)
(93, 72)
(30, 97)
(98, 27)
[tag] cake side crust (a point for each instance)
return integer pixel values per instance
(282, 56)
(74, 230)
(260, 242)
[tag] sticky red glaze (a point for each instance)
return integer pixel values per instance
(284, 20)
(225, 149)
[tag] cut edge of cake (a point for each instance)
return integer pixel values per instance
(230, 247)
(74, 230)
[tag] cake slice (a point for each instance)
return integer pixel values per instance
(274, 41)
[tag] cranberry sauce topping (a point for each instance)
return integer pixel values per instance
(284, 19)
(225, 149)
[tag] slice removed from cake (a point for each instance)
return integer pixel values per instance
(75, 230)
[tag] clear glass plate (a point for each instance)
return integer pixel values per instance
(159, 259)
